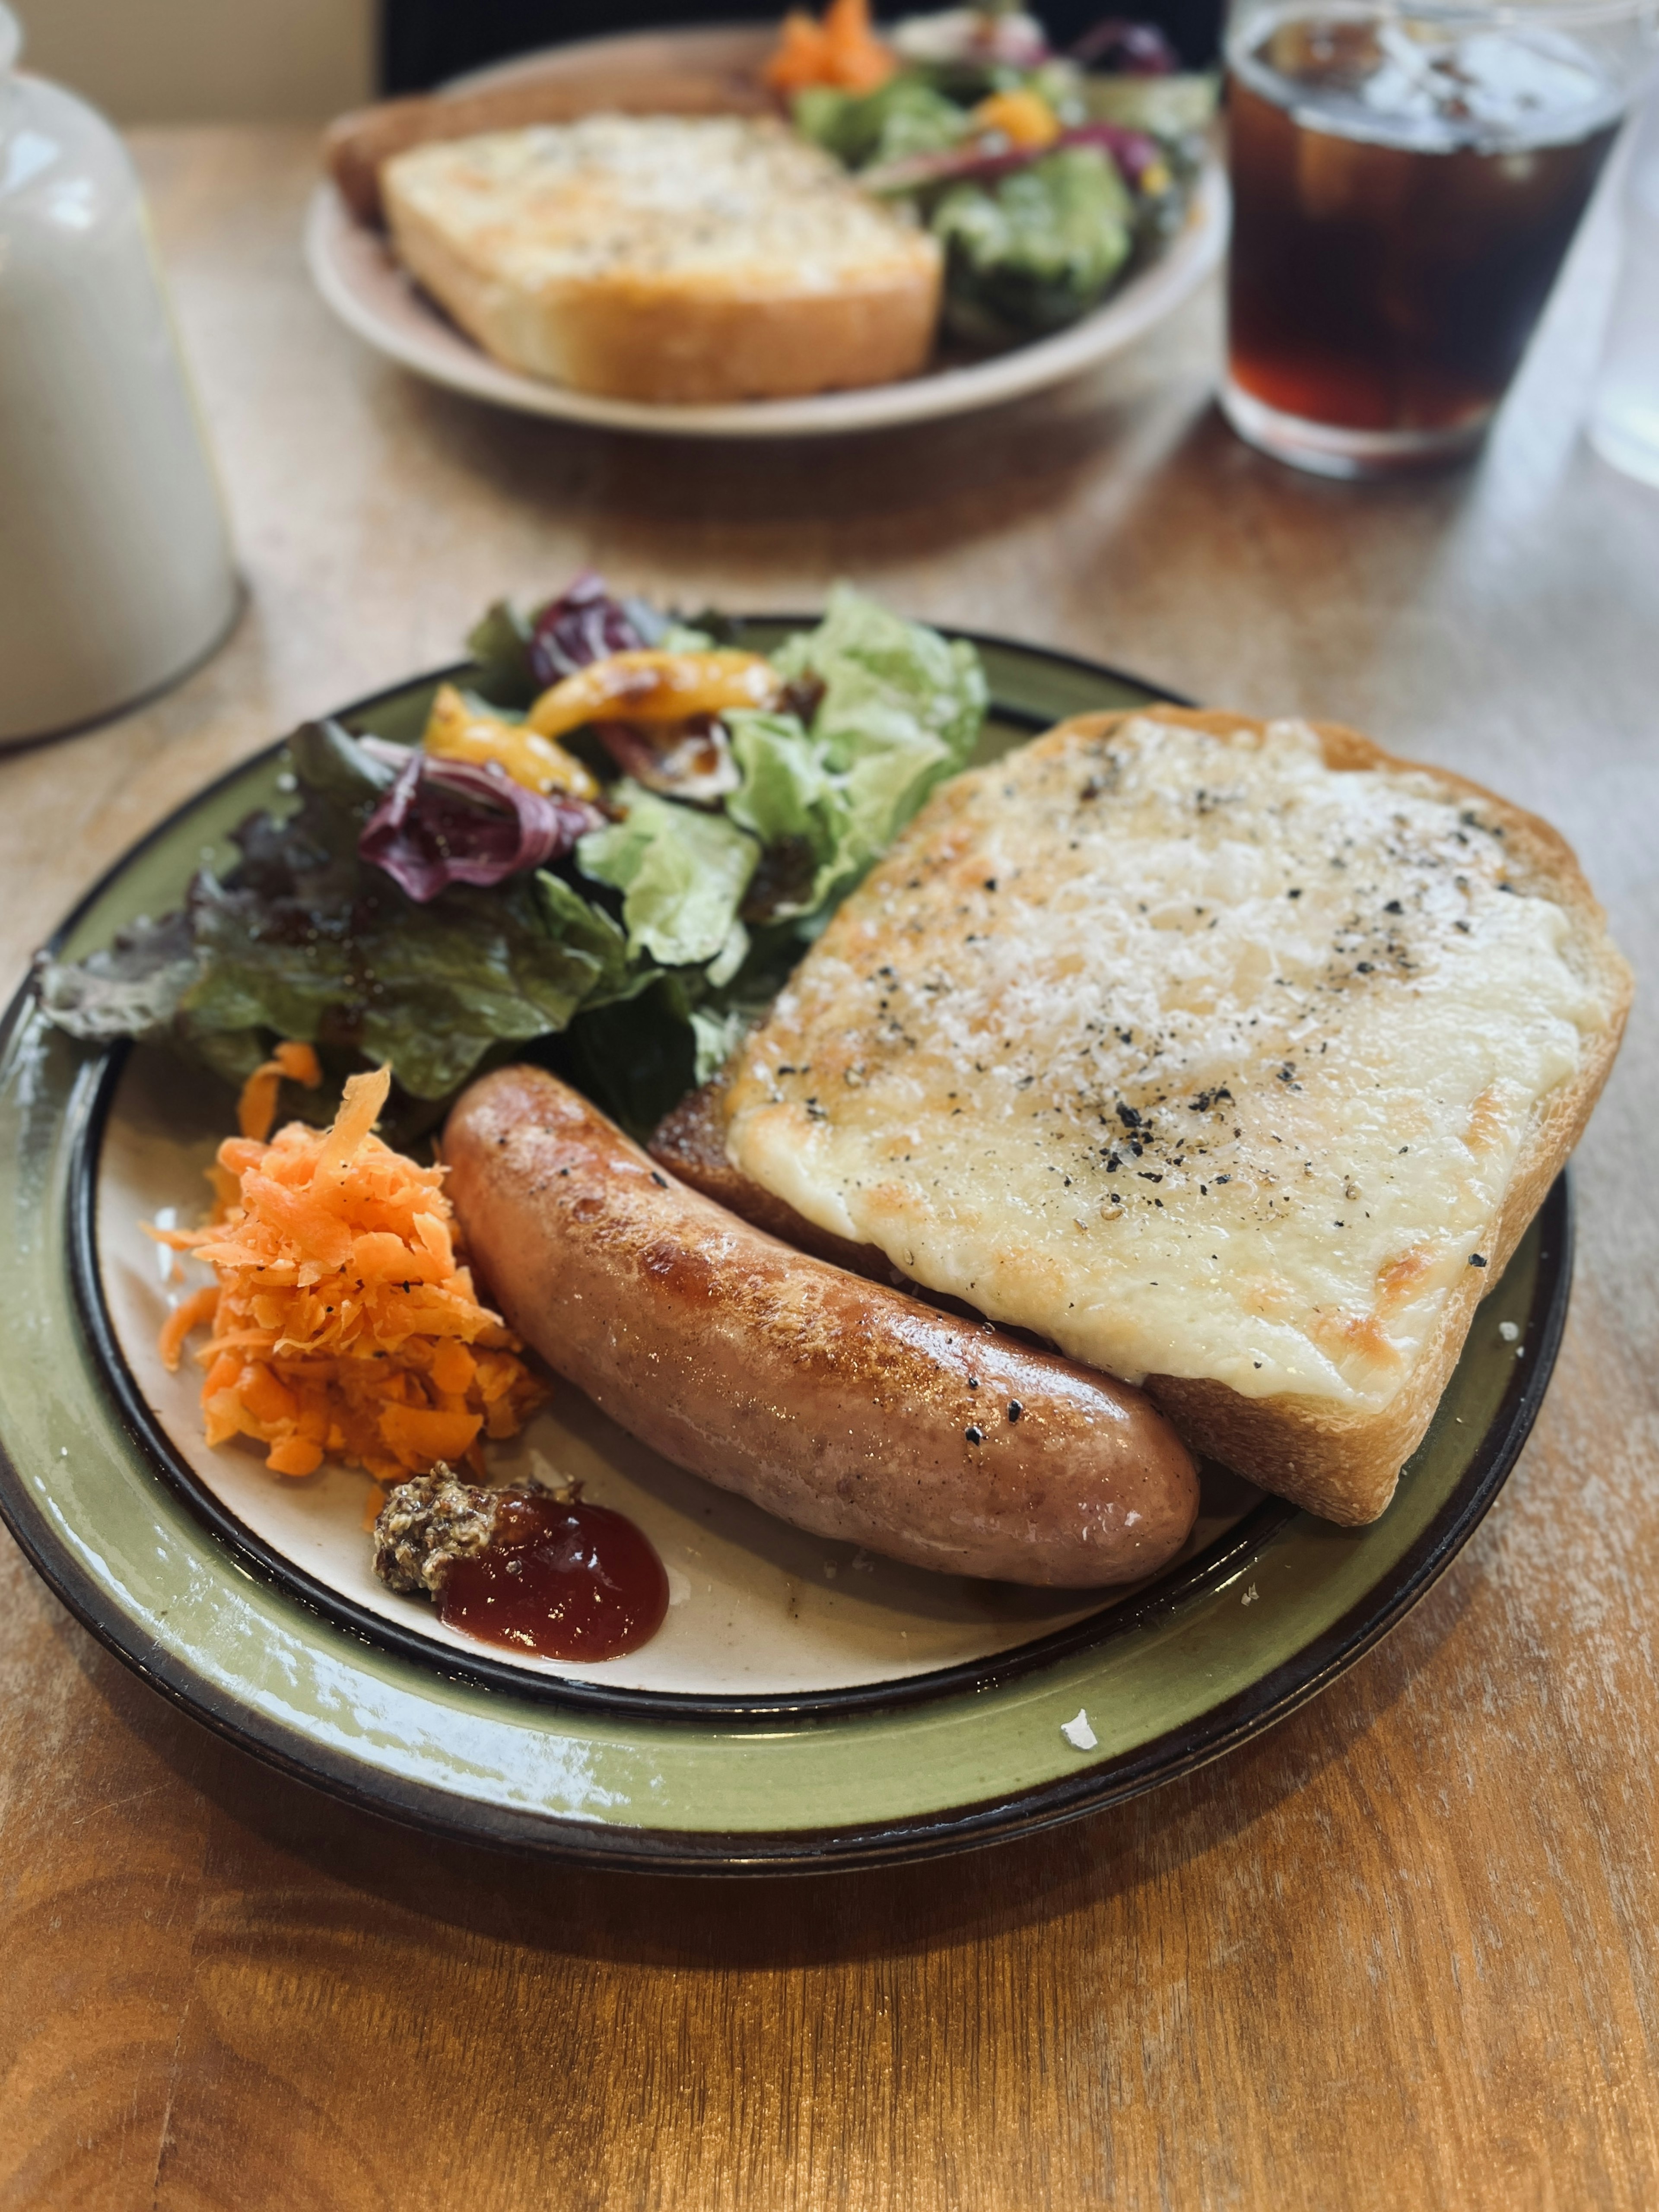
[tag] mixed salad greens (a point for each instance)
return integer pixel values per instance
(609, 849)
(1046, 177)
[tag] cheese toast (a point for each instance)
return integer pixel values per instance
(683, 259)
(1232, 1058)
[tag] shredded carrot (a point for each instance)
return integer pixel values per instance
(196, 1311)
(256, 1109)
(342, 1325)
(300, 1062)
(842, 51)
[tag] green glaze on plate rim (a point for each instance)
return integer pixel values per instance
(928, 1765)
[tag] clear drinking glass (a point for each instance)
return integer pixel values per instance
(1624, 413)
(1407, 180)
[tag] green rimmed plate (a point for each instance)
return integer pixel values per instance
(806, 1731)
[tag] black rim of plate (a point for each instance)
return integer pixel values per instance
(1276, 1694)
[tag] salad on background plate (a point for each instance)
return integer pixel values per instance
(1047, 177)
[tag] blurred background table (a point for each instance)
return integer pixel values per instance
(1401, 1951)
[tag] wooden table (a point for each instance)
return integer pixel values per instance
(1400, 1952)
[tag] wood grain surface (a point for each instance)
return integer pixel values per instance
(1398, 1953)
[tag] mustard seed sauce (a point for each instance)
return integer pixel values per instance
(523, 1568)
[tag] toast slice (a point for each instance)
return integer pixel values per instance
(683, 259)
(1231, 1057)
(358, 145)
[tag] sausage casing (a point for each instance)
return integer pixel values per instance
(846, 1407)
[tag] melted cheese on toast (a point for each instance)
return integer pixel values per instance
(1190, 1052)
(712, 203)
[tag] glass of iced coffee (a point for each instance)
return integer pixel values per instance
(1407, 180)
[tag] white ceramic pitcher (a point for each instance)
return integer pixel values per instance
(116, 573)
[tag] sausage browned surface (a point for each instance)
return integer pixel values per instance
(835, 1403)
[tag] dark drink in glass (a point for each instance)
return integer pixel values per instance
(1404, 189)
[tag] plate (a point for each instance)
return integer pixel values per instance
(355, 270)
(804, 1707)
(762, 1617)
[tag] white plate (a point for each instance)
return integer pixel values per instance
(356, 273)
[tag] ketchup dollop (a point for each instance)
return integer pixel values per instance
(564, 1580)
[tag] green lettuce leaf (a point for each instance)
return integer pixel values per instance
(730, 958)
(638, 1060)
(460, 974)
(904, 116)
(586, 927)
(888, 683)
(716, 1034)
(303, 939)
(1036, 250)
(682, 874)
(331, 765)
(499, 642)
(787, 789)
(796, 805)
(430, 989)
(902, 708)
(132, 987)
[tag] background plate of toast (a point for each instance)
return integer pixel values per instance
(356, 271)
(805, 1707)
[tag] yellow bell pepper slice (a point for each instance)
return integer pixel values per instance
(456, 730)
(652, 686)
(1025, 118)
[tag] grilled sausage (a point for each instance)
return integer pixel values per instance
(838, 1404)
